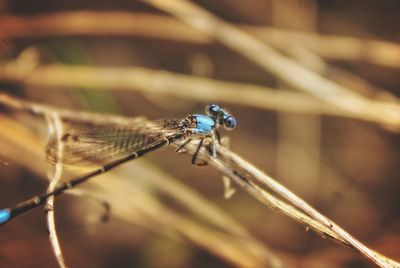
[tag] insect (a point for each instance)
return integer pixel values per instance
(89, 143)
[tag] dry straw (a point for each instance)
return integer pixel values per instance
(255, 182)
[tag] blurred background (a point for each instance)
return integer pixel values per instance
(339, 151)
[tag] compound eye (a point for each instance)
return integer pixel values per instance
(212, 109)
(230, 122)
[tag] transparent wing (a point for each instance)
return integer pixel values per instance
(94, 142)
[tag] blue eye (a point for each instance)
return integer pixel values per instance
(230, 122)
(212, 109)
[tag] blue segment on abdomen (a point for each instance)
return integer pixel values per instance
(4, 215)
(204, 124)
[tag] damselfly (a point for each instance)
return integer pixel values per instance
(84, 144)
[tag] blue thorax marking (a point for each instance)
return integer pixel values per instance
(4, 215)
(204, 124)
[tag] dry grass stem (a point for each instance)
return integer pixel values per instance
(249, 178)
(311, 84)
(147, 25)
(234, 244)
(282, 67)
(293, 207)
(339, 233)
(188, 87)
(171, 84)
(316, 63)
(55, 131)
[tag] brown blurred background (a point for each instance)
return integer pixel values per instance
(346, 167)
